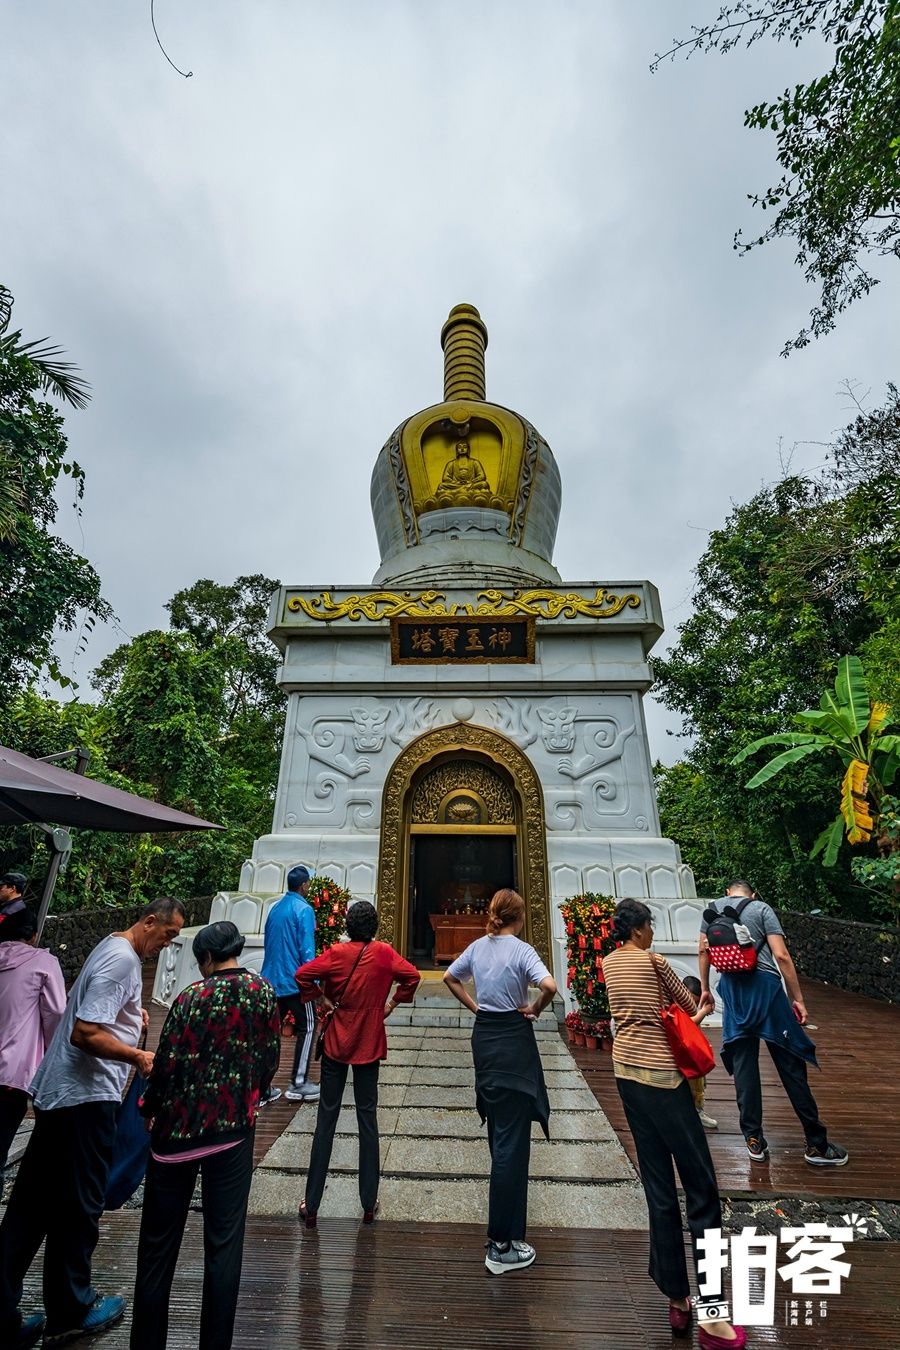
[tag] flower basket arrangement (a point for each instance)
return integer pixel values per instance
(330, 902)
(589, 937)
(598, 1033)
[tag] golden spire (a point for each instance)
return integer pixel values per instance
(464, 339)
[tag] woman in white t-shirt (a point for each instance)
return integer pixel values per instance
(509, 1082)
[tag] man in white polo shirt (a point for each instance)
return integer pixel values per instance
(61, 1184)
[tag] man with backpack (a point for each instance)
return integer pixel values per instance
(742, 938)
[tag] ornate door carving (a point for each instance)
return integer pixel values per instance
(495, 784)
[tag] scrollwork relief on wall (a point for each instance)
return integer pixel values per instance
(328, 739)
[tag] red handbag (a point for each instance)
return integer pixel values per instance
(691, 1051)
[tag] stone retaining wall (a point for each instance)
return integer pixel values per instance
(863, 958)
(72, 936)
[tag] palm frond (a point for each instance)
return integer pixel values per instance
(11, 498)
(57, 377)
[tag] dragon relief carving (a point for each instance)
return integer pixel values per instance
(328, 739)
(602, 743)
(369, 729)
(602, 746)
(558, 729)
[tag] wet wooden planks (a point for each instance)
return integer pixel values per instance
(858, 1092)
(424, 1287)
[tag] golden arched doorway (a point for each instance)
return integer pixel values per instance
(488, 787)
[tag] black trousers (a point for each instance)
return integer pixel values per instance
(792, 1072)
(365, 1096)
(225, 1181)
(509, 1139)
(304, 1032)
(667, 1129)
(13, 1105)
(58, 1194)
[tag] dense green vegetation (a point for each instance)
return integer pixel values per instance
(805, 572)
(192, 717)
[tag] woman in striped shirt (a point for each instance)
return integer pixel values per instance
(661, 1115)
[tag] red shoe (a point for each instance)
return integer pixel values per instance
(680, 1319)
(306, 1218)
(708, 1342)
(369, 1214)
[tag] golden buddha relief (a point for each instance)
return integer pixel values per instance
(457, 456)
(464, 481)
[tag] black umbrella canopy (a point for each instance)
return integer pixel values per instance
(31, 790)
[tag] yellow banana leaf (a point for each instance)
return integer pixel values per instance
(880, 714)
(855, 803)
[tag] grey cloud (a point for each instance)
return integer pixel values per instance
(252, 267)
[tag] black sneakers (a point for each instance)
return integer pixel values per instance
(758, 1149)
(832, 1155)
(502, 1257)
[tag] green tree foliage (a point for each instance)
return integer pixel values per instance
(690, 813)
(45, 585)
(803, 571)
(837, 141)
(232, 621)
(880, 873)
(192, 717)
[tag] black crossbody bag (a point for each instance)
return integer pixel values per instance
(320, 1039)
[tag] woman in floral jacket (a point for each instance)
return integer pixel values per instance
(217, 1056)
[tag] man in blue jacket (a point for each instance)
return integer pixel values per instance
(290, 941)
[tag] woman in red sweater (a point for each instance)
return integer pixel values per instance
(353, 980)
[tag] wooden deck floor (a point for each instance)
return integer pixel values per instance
(424, 1287)
(858, 1092)
(418, 1287)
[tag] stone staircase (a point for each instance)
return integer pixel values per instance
(434, 1154)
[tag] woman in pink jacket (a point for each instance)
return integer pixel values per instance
(32, 1001)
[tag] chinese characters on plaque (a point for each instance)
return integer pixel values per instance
(458, 641)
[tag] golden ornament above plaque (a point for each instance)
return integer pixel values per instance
(492, 604)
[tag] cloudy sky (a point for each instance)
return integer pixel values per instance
(252, 267)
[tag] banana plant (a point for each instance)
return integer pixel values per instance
(860, 733)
